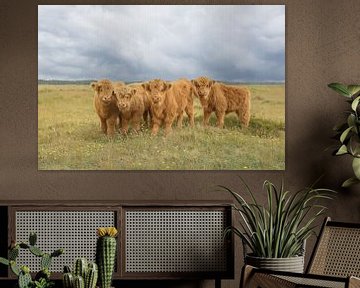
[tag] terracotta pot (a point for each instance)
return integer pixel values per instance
(291, 264)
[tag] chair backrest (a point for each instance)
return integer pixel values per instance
(337, 251)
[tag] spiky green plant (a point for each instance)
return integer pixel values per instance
(80, 267)
(68, 280)
(84, 273)
(91, 276)
(348, 132)
(105, 254)
(279, 229)
(79, 282)
(42, 278)
(24, 280)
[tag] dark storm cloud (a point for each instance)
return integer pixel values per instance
(232, 43)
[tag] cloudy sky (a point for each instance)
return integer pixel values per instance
(230, 43)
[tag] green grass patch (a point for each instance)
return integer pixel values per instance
(69, 137)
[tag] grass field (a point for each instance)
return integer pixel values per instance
(69, 137)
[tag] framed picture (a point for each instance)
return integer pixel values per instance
(161, 87)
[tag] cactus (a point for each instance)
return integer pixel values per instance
(57, 252)
(4, 261)
(45, 261)
(67, 269)
(24, 245)
(32, 238)
(89, 272)
(44, 273)
(80, 267)
(91, 276)
(105, 254)
(13, 253)
(36, 251)
(68, 280)
(25, 269)
(24, 278)
(79, 282)
(14, 268)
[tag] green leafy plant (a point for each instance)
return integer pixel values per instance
(279, 229)
(42, 278)
(349, 132)
(43, 283)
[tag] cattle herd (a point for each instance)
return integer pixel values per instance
(161, 103)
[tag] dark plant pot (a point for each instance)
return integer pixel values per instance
(291, 264)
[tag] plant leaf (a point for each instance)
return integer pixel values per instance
(355, 103)
(342, 150)
(340, 88)
(353, 89)
(356, 167)
(4, 261)
(351, 119)
(345, 134)
(14, 268)
(279, 228)
(354, 145)
(349, 182)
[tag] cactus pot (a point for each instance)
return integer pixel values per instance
(291, 264)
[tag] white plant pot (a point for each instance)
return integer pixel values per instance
(291, 264)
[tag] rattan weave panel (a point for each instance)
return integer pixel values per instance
(304, 282)
(338, 253)
(75, 231)
(267, 280)
(175, 241)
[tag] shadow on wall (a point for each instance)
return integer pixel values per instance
(333, 169)
(313, 155)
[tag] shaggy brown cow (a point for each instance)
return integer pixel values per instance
(163, 105)
(105, 106)
(222, 99)
(130, 101)
(183, 91)
(168, 102)
(147, 102)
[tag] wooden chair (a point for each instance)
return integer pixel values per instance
(335, 262)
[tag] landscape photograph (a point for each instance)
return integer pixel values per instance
(161, 87)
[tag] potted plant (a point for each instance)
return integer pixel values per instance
(276, 233)
(348, 132)
(84, 274)
(42, 278)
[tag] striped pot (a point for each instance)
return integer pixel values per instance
(291, 264)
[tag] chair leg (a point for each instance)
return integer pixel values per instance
(217, 283)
